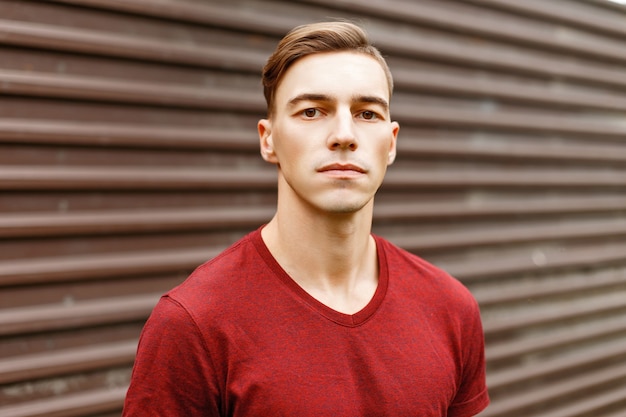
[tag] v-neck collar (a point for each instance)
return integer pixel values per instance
(348, 320)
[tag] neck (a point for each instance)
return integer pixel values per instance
(331, 256)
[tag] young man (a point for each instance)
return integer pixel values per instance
(312, 315)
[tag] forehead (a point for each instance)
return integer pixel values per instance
(335, 74)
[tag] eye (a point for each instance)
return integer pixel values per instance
(310, 113)
(369, 115)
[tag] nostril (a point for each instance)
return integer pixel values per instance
(344, 145)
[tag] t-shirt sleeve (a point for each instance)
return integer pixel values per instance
(172, 375)
(472, 396)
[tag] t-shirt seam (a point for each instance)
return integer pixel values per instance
(197, 328)
(480, 401)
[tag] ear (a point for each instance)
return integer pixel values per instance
(265, 140)
(395, 128)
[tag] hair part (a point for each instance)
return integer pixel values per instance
(316, 38)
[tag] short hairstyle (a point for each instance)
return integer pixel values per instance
(316, 38)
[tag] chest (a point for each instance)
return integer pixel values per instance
(388, 370)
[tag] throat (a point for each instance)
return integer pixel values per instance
(340, 271)
(344, 301)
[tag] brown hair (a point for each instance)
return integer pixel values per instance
(312, 39)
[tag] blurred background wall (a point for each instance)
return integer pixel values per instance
(128, 156)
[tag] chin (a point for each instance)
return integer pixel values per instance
(344, 207)
(337, 202)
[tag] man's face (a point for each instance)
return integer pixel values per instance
(330, 133)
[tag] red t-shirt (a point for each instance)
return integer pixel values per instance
(240, 338)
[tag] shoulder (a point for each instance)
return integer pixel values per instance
(424, 280)
(222, 279)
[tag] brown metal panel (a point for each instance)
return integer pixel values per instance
(533, 260)
(197, 12)
(92, 88)
(611, 352)
(420, 143)
(524, 121)
(128, 156)
(568, 12)
(53, 37)
(142, 221)
(86, 178)
(533, 93)
(74, 405)
(60, 269)
(108, 222)
(502, 27)
(563, 392)
(421, 241)
(124, 135)
(115, 178)
(80, 314)
(66, 361)
(512, 351)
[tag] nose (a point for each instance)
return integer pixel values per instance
(343, 135)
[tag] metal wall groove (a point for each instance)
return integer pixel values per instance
(128, 156)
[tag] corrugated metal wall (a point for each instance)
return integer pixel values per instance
(128, 155)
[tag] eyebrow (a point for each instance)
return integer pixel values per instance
(327, 98)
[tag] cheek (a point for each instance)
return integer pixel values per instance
(288, 145)
(296, 139)
(380, 142)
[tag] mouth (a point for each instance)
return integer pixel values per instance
(342, 170)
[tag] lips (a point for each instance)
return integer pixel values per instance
(339, 167)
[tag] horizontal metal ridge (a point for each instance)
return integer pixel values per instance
(153, 178)
(45, 318)
(597, 405)
(596, 306)
(570, 364)
(180, 219)
(522, 291)
(208, 13)
(410, 146)
(411, 113)
(576, 13)
(511, 234)
(509, 29)
(47, 36)
(79, 359)
(128, 92)
(558, 392)
(98, 265)
(474, 208)
(82, 87)
(536, 261)
(59, 132)
(130, 178)
(73, 405)
(620, 7)
(412, 142)
(94, 42)
(510, 178)
(87, 267)
(531, 63)
(138, 221)
(498, 352)
(467, 85)
(272, 24)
